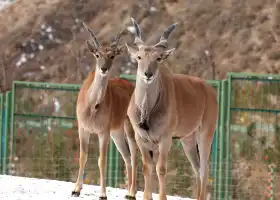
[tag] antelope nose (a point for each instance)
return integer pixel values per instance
(148, 74)
(103, 69)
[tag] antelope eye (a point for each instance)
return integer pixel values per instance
(96, 55)
(112, 57)
(158, 59)
(139, 57)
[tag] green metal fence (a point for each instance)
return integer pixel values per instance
(1, 130)
(39, 128)
(253, 162)
(5, 101)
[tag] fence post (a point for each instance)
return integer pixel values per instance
(6, 136)
(222, 127)
(227, 142)
(1, 130)
(12, 118)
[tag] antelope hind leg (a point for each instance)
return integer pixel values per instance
(204, 147)
(84, 141)
(133, 155)
(190, 148)
(123, 147)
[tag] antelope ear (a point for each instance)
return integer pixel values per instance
(91, 47)
(131, 50)
(167, 53)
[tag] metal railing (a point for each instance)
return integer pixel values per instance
(39, 138)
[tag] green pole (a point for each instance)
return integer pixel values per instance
(116, 161)
(12, 124)
(1, 129)
(221, 139)
(214, 147)
(227, 176)
(217, 137)
(7, 128)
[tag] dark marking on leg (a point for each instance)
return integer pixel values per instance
(102, 198)
(97, 106)
(144, 125)
(151, 154)
(75, 194)
(198, 152)
(127, 145)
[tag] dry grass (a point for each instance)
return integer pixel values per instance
(241, 35)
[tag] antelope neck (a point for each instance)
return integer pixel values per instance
(98, 88)
(147, 94)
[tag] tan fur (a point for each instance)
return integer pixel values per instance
(175, 106)
(102, 109)
(117, 98)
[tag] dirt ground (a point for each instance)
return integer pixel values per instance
(43, 40)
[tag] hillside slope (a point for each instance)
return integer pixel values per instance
(43, 40)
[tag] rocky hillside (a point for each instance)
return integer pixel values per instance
(43, 40)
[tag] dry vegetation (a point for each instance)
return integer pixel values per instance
(242, 36)
(43, 40)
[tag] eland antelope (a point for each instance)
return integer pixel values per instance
(165, 105)
(102, 109)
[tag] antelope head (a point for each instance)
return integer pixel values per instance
(104, 54)
(149, 57)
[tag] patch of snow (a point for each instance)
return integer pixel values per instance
(50, 36)
(207, 52)
(22, 188)
(131, 29)
(32, 55)
(43, 26)
(49, 29)
(21, 60)
(6, 3)
(41, 47)
(127, 71)
(153, 9)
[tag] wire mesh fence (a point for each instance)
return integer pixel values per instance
(253, 170)
(39, 138)
(45, 142)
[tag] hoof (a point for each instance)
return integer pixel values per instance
(102, 198)
(75, 194)
(130, 197)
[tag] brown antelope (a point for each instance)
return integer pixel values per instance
(102, 109)
(165, 106)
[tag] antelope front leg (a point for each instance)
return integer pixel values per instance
(104, 139)
(84, 140)
(147, 168)
(161, 167)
